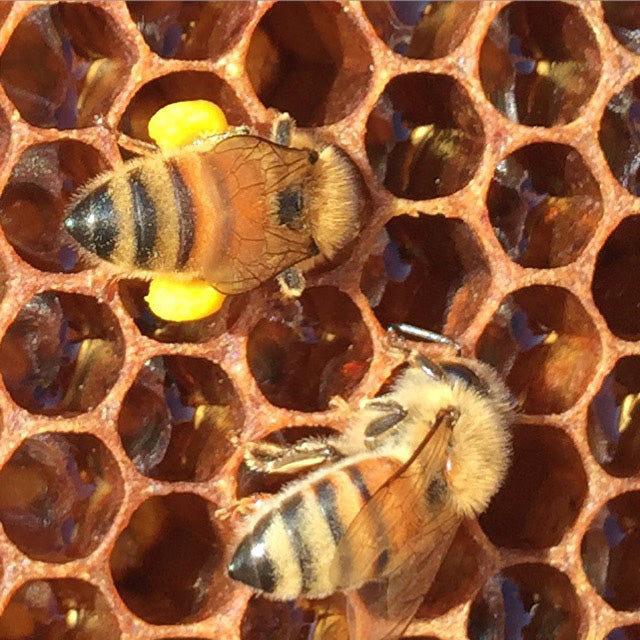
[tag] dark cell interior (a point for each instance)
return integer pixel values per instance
(32, 204)
(64, 64)
(618, 135)
(421, 29)
(544, 205)
(528, 601)
(539, 63)
(190, 30)
(62, 354)
(545, 345)
(610, 549)
(616, 290)
(163, 561)
(631, 632)
(316, 347)
(192, 418)
(623, 19)
(59, 494)
(423, 137)
(427, 271)
(306, 59)
(58, 609)
(542, 494)
(613, 425)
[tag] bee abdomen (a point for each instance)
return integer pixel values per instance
(290, 551)
(142, 216)
(92, 221)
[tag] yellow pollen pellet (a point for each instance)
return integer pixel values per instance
(177, 125)
(183, 301)
(181, 123)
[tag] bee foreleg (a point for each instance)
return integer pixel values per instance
(305, 455)
(291, 282)
(410, 331)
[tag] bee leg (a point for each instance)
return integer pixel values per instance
(410, 331)
(391, 412)
(291, 282)
(281, 129)
(306, 455)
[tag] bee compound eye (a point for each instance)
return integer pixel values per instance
(463, 373)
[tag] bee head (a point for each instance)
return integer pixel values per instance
(480, 445)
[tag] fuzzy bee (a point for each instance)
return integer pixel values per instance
(233, 209)
(380, 508)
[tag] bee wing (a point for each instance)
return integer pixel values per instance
(400, 556)
(377, 540)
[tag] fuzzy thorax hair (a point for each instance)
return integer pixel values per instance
(337, 202)
(479, 448)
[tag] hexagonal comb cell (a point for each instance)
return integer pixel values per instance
(64, 64)
(539, 63)
(176, 86)
(525, 601)
(610, 551)
(310, 60)
(616, 289)
(163, 563)
(544, 205)
(421, 29)
(191, 421)
(614, 422)
(424, 138)
(32, 203)
(59, 494)
(313, 349)
(61, 354)
(619, 137)
(542, 494)
(545, 345)
(190, 30)
(623, 18)
(426, 271)
(58, 609)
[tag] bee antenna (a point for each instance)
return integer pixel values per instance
(411, 331)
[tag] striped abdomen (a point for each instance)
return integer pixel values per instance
(290, 550)
(141, 216)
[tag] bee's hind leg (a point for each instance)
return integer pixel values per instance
(302, 456)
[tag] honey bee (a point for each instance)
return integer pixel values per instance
(233, 209)
(379, 508)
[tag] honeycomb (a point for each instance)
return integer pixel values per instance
(500, 145)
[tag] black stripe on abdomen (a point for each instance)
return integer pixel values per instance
(358, 481)
(326, 498)
(253, 569)
(185, 212)
(290, 510)
(145, 229)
